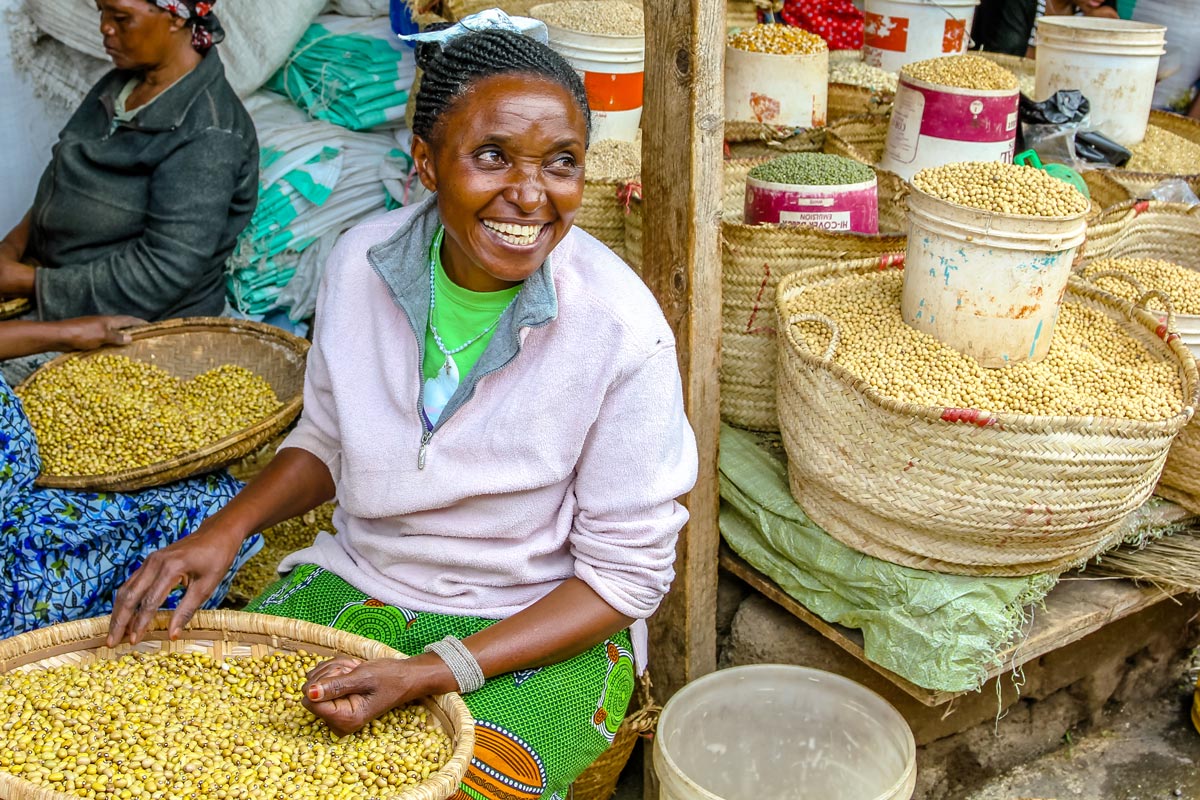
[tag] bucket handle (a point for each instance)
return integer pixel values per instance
(970, 40)
(835, 337)
(1144, 294)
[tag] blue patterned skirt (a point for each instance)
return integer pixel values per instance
(63, 554)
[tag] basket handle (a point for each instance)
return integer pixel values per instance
(835, 332)
(1144, 294)
(644, 721)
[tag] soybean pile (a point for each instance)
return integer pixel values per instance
(780, 40)
(188, 726)
(279, 541)
(1094, 367)
(1179, 283)
(962, 72)
(813, 169)
(1002, 188)
(605, 17)
(107, 413)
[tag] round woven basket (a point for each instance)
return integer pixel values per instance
(964, 491)
(14, 307)
(847, 100)
(1169, 232)
(754, 259)
(1140, 183)
(230, 634)
(740, 14)
(185, 348)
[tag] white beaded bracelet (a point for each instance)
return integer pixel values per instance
(462, 664)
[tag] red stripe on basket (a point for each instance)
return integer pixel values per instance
(758, 303)
(972, 415)
(891, 260)
(1140, 207)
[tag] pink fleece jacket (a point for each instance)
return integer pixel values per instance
(565, 462)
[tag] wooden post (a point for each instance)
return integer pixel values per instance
(683, 138)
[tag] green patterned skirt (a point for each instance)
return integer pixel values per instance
(535, 730)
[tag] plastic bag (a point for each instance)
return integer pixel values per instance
(1175, 190)
(1064, 107)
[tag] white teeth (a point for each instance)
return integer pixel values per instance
(515, 234)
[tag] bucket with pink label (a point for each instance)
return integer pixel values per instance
(952, 111)
(814, 190)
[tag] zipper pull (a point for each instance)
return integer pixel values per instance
(425, 437)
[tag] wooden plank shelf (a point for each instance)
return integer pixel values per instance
(1075, 608)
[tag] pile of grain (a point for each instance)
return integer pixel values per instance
(605, 17)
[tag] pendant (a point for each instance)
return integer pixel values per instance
(440, 388)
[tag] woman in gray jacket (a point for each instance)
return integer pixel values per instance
(151, 181)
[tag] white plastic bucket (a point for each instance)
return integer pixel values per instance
(899, 32)
(613, 70)
(774, 732)
(989, 285)
(850, 207)
(785, 90)
(932, 125)
(1113, 62)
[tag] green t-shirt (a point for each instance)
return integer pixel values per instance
(459, 314)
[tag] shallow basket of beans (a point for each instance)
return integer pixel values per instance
(1019, 470)
(213, 714)
(185, 397)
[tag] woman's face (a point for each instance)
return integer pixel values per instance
(506, 159)
(138, 35)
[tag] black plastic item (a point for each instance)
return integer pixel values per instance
(1096, 147)
(1064, 107)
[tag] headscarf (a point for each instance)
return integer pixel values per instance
(206, 28)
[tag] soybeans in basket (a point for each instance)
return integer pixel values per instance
(1094, 367)
(1179, 283)
(185, 725)
(108, 413)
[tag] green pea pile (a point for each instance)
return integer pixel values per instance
(188, 726)
(107, 413)
(813, 169)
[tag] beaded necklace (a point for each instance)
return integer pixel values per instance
(450, 367)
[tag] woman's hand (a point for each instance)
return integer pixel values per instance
(16, 279)
(198, 562)
(88, 333)
(349, 694)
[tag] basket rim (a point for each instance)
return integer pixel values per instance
(1026, 423)
(279, 632)
(287, 411)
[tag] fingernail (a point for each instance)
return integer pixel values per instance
(314, 692)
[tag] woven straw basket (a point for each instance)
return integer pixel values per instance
(754, 259)
(602, 213)
(963, 491)
(1140, 183)
(14, 307)
(185, 348)
(1169, 232)
(225, 634)
(847, 100)
(740, 14)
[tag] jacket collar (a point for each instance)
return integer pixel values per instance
(169, 109)
(402, 261)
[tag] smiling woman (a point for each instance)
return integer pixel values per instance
(494, 398)
(151, 181)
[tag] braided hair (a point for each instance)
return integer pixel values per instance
(450, 70)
